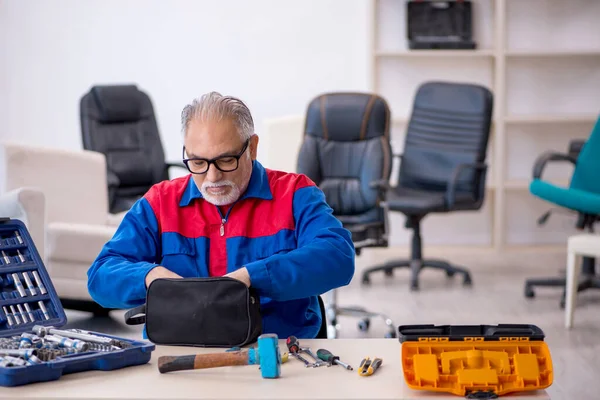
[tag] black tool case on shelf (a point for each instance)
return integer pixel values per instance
(28, 299)
(438, 24)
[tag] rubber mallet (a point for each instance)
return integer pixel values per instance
(266, 355)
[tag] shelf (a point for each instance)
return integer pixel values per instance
(552, 53)
(551, 119)
(436, 53)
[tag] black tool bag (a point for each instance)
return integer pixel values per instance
(201, 312)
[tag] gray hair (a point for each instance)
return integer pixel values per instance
(215, 106)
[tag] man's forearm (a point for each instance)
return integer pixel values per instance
(118, 283)
(324, 264)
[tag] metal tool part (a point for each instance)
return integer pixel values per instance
(29, 312)
(6, 259)
(38, 281)
(9, 316)
(294, 349)
(26, 340)
(29, 284)
(15, 315)
(22, 313)
(15, 360)
(19, 238)
(21, 258)
(4, 363)
(33, 360)
(44, 310)
(24, 353)
(318, 362)
(327, 356)
(66, 342)
(19, 285)
(86, 337)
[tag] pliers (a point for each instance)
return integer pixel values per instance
(368, 367)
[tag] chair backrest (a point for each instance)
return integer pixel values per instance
(450, 125)
(346, 146)
(588, 163)
(73, 182)
(119, 122)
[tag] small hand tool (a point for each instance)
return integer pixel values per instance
(21, 258)
(19, 238)
(23, 315)
(66, 342)
(42, 331)
(368, 366)
(294, 347)
(9, 316)
(39, 282)
(44, 310)
(19, 285)
(29, 312)
(326, 355)
(266, 355)
(29, 284)
(15, 315)
(6, 259)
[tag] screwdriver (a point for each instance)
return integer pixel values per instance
(326, 355)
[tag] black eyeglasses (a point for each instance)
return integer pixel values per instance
(226, 163)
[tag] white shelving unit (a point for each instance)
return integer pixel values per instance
(541, 58)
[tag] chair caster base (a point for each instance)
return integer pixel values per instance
(364, 324)
(529, 293)
(416, 266)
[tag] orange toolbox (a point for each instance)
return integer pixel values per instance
(476, 361)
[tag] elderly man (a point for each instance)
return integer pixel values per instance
(269, 229)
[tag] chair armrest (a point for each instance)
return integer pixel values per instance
(575, 147)
(169, 165)
(77, 242)
(28, 205)
(382, 186)
(451, 188)
(545, 158)
(112, 179)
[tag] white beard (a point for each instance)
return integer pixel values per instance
(220, 200)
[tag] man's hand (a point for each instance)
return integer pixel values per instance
(241, 275)
(159, 272)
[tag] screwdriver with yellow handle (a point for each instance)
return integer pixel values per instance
(326, 356)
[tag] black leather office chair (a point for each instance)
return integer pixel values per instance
(346, 150)
(443, 165)
(119, 121)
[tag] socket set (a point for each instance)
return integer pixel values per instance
(33, 346)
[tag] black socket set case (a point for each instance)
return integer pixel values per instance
(27, 299)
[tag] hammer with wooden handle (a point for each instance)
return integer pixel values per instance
(266, 355)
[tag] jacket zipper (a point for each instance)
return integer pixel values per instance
(224, 218)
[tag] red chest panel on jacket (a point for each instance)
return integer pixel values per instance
(250, 217)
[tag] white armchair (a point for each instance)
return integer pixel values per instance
(283, 133)
(76, 223)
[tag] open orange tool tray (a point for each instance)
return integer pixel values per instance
(477, 361)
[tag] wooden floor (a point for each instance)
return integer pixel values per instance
(495, 297)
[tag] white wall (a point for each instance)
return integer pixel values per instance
(276, 55)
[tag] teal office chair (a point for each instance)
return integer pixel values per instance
(582, 196)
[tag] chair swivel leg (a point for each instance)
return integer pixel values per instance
(588, 280)
(333, 311)
(416, 263)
